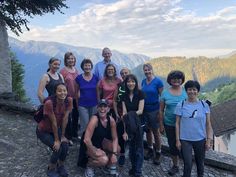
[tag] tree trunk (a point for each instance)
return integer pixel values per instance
(5, 61)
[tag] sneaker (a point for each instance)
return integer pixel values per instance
(121, 160)
(149, 154)
(52, 173)
(173, 170)
(89, 172)
(110, 170)
(157, 158)
(62, 171)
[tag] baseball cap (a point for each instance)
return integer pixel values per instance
(103, 102)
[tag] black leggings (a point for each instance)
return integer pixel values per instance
(199, 153)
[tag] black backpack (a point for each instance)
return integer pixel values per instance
(38, 115)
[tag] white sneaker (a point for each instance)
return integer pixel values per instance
(112, 170)
(89, 172)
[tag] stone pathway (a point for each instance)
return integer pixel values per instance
(21, 156)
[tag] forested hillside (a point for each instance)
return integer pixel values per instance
(221, 94)
(210, 72)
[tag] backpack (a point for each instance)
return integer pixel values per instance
(38, 115)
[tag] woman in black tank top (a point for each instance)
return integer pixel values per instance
(100, 128)
(50, 79)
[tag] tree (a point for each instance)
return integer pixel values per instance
(17, 78)
(13, 14)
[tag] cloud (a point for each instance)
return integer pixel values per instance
(152, 27)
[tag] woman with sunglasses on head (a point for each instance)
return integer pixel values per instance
(193, 128)
(170, 97)
(51, 129)
(69, 73)
(50, 79)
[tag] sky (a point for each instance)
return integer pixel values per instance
(152, 27)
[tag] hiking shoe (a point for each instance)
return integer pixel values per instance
(121, 160)
(173, 170)
(149, 154)
(62, 171)
(131, 172)
(52, 173)
(89, 172)
(157, 158)
(71, 143)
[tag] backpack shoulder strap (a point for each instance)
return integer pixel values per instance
(203, 103)
(182, 104)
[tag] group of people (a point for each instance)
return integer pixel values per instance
(112, 109)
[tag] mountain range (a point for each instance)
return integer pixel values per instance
(210, 72)
(34, 55)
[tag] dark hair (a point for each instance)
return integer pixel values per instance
(66, 57)
(55, 87)
(86, 61)
(51, 61)
(131, 77)
(175, 74)
(105, 71)
(192, 84)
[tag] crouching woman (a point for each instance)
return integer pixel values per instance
(100, 142)
(51, 130)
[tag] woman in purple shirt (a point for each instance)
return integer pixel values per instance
(87, 94)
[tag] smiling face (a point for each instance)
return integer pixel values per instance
(175, 82)
(70, 61)
(148, 72)
(106, 53)
(102, 109)
(61, 92)
(192, 93)
(131, 84)
(110, 71)
(55, 65)
(124, 72)
(87, 68)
